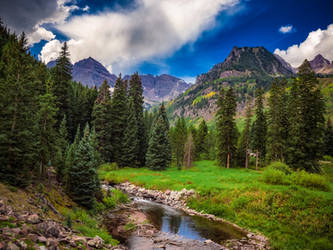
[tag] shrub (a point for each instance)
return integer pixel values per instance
(274, 176)
(328, 158)
(68, 220)
(277, 165)
(109, 166)
(116, 197)
(310, 180)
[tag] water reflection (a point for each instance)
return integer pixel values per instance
(167, 219)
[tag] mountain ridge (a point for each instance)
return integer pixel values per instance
(157, 88)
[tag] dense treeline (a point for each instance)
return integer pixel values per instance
(291, 130)
(48, 119)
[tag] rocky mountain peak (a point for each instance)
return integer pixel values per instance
(319, 62)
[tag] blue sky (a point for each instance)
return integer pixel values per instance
(151, 46)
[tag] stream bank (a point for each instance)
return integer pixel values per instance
(151, 235)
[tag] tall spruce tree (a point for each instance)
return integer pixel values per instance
(136, 92)
(102, 121)
(189, 152)
(62, 75)
(259, 128)
(306, 112)
(18, 106)
(277, 121)
(179, 137)
(328, 148)
(158, 155)
(244, 144)
(226, 127)
(131, 145)
(202, 147)
(82, 175)
(119, 119)
(62, 144)
(45, 122)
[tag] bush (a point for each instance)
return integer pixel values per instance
(328, 158)
(309, 180)
(277, 165)
(109, 166)
(274, 176)
(116, 197)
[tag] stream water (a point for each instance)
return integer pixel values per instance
(170, 220)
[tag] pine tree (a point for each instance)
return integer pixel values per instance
(243, 148)
(179, 137)
(259, 128)
(189, 152)
(162, 113)
(62, 145)
(226, 127)
(102, 121)
(202, 139)
(119, 119)
(18, 106)
(277, 131)
(328, 148)
(306, 112)
(45, 122)
(136, 92)
(82, 174)
(158, 155)
(131, 145)
(62, 75)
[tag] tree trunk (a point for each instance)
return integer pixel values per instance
(257, 159)
(228, 160)
(246, 159)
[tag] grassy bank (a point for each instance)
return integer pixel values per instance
(292, 216)
(86, 222)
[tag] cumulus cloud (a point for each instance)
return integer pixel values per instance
(40, 34)
(50, 51)
(317, 42)
(23, 15)
(125, 37)
(286, 29)
(29, 16)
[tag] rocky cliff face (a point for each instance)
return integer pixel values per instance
(247, 61)
(245, 68)
(91, 73)
(156, 88)
(321, 65)
(161, 88)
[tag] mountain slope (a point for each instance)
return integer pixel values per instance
(244, 69)
(91, 73)
(321, 65)
(156, 88)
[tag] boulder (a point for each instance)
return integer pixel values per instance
(33, 219)
(12, 246)
(50, 229)
(96, 242)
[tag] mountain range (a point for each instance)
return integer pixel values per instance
(156, 89)
(244, 68)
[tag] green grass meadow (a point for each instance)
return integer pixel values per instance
(292, 216)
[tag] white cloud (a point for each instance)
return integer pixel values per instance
(40, 34)
(87, 8)
(50, 51)
(188, 79)
(58, 17)
(317, 42)
(286, 29)
(155, 28)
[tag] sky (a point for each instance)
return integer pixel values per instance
(183, 38)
